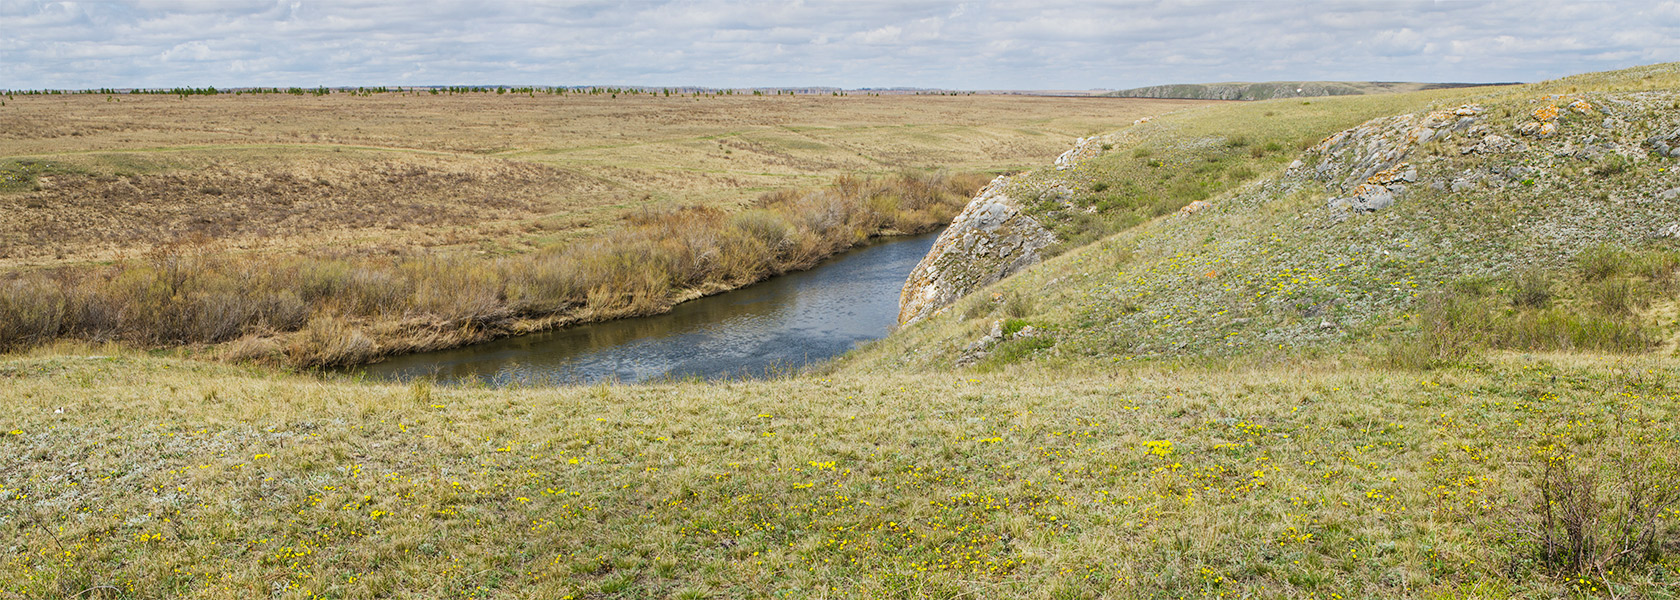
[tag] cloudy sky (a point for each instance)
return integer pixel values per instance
(1042, 44)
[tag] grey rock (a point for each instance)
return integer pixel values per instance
(1609, 122)
(991, 239)
(1674, 152)
(1670, 194)
(1462, 184)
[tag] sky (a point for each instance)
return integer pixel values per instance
(978, 45)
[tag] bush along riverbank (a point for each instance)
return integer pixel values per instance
(308, 311)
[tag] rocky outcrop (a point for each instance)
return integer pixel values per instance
(992, 239)
(1367, 165)
(1085, 149)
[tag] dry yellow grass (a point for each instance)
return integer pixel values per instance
(480, 171)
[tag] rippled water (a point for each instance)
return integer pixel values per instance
(781, 323)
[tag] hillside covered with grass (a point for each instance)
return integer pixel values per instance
(1272, 90)
(1410, 345)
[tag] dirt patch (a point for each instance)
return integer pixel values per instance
(90, 215)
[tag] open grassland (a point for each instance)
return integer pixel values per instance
(95, 177)
(319, 230)
(128, 476)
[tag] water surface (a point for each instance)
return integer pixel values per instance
(781, 323)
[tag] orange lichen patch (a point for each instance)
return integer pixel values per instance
(1581, 106)
(1468, 110)
(1547, 129)
(1546, 114)
(1326, 143)
(1387, 176)
(1366, 189)
(1194, 207)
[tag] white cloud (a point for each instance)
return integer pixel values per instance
(975, 45)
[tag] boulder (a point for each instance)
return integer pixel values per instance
(1084, 149)
(991, 239)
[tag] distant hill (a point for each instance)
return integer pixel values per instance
(1282, 89)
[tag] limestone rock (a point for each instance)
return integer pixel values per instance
(1084, 149)
(992, 239)
(1368, 163)
(1496, 144)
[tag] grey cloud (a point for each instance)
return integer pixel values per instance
(972, 45)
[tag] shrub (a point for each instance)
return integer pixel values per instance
(330, 341)
(1017, 304)
(1618, 297)
(1600, 261)
(1531, 288)
(1598, 507)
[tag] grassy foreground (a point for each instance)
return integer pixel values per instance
(130, 476)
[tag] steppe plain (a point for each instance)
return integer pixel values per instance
(119, 174)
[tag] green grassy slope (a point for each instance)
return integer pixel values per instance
(1270, 267)
(1277, 89)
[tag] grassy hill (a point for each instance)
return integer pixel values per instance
(1279, 89)
(1467, 393)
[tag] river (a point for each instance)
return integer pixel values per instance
(779, 324)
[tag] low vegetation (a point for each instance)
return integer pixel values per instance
(131, 476)
(307, 311)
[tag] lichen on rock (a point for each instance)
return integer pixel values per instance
(1367, 164)
(991, 239)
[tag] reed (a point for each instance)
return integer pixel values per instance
(319, 311)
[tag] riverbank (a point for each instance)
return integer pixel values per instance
(335, 311)
(777, 326)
